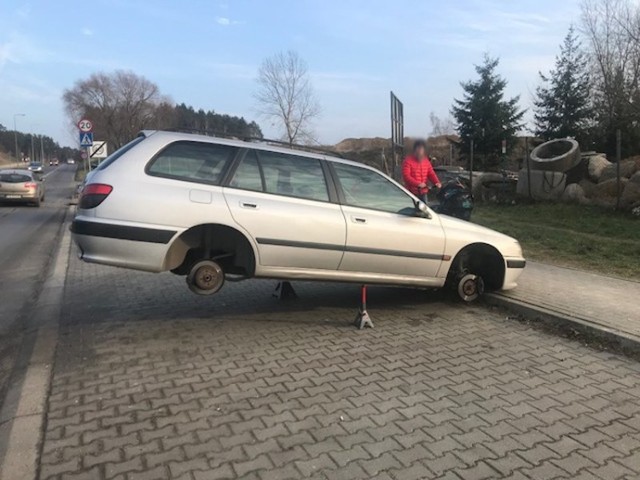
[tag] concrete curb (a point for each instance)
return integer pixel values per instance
(572, 325)
(24, 410)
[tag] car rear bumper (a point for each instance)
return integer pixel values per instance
(119, 245)
(19, 197)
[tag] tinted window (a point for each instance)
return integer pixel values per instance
(14, 178)
(118, 153)
(293, 176)
(247, 176)
(368, 189)
(192, 161)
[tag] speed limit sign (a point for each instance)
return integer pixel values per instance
(85, 125)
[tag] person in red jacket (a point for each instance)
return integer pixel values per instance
(417, 171)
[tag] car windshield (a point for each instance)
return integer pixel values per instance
(14, 178)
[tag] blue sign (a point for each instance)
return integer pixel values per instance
(86, 139)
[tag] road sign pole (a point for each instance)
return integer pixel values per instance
(85, 128)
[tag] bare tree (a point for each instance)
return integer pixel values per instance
(285, 95)
(120, 104)
(612, 29)
(441, 126)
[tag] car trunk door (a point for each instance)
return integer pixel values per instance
(14, 184)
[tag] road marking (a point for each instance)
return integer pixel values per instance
(24, 410)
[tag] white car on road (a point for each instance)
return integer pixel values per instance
(211, 208)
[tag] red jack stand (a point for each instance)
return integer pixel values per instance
(362, 319)
(285, 291)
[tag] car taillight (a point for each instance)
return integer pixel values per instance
(30, 185)
(94, 194)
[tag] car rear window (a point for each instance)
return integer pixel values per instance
(14, 178)
(118, 153)
(192, 161)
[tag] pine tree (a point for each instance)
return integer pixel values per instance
(485, 116)
(562, 102)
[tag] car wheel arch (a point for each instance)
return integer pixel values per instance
(481, 259)
(191, 245)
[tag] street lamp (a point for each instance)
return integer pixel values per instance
(15, 131)
(33, 150)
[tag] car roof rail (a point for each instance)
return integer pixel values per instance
(250, 139)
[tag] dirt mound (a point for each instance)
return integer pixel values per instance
(361, 144)
(5, 159)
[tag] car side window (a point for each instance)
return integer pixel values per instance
(293, 176)
(192, 161)
(367, 189)
(247, 176)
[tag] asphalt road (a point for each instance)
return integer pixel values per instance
(28, 237)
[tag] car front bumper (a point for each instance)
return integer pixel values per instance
(513, 270)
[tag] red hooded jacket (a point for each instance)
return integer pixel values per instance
(415, 172)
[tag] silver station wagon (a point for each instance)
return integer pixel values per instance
(212, 208)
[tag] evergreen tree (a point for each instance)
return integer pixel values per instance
(562, 102)
(484, 115)
(187, 118)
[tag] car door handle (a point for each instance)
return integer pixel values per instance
(248, 205)
(358, 220)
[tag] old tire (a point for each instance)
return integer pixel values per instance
(557, 155)
(205, 277)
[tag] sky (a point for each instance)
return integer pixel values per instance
(207, 53)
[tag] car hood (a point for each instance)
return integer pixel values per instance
(471, 232)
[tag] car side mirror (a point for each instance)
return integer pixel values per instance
(422, 210)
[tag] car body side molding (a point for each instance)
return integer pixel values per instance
(353, 249)
(122, 232)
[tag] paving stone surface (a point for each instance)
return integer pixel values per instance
(152, 382)
(602, 301)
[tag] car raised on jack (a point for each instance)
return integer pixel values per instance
(212, 208)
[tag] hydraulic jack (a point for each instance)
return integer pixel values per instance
(284, 291)
(362, 319)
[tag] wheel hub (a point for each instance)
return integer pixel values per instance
(470, 287)
(206, 277)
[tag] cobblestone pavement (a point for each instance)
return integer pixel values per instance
(153, 382)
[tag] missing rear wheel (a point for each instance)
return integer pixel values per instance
(205, 277)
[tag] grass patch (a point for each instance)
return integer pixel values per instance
(589, 238)
(80, 174)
